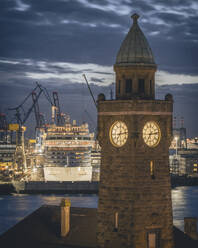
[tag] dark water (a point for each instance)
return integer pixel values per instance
(185, 204)
(14, 208)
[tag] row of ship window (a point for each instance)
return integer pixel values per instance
(64, 162)
(69, 154)
(68, 138)
(6, 154)
(62, 157)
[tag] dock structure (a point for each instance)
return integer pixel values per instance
(42, 229)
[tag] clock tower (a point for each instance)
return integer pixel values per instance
(135, 132)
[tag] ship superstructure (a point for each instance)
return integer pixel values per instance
(67, 152)
(68, 146)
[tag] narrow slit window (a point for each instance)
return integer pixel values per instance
(119, 83)
(150, 87)
(141, 85)
(153, 240)
(116, 221)
(152, 174)
(128, 86)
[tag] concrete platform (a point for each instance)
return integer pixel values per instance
(41, 229)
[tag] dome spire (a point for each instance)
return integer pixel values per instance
(135, 18)
(135, 49)
(135, 66)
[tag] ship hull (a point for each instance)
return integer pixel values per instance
(57, 187)
(68, 173)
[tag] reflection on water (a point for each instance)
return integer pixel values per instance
(14, 208)
(185, 204)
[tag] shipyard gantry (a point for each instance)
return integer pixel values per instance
(62, 150)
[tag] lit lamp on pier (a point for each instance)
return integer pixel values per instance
(176, 140)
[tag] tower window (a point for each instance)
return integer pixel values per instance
(141, 85)
(119, 83)
(150, 87)
(116, 222)
(152, 174)
(128, 86)
(153, 239)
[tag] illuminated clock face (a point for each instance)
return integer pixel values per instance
(151, 134)
(118, 133)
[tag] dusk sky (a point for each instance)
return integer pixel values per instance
(54, 42)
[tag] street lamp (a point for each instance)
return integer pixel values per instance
(176, 139)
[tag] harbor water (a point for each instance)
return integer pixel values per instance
(13, 208)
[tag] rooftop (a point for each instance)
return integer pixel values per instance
(41, 229)
(135, 48)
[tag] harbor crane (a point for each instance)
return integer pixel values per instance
(21, 117)
(60, 120)
(3, 128)
(40, 121)
(90, 91)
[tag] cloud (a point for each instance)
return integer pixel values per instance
(65, 73)
(21, 6)
(55, 42)
(55, 72)
(164, 78)
(91, 31)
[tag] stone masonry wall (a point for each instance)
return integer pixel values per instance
(126, 187)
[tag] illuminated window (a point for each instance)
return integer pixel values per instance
(116, 222)
(153, 239)
(152, 170)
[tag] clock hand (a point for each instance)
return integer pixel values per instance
(117, 137)
(122, 133)
(149, 136)
(152, 133)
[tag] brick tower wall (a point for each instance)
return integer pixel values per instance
(142, 203)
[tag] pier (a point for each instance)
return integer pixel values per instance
(42, 229)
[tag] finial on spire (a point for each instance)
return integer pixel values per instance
(135, 18)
